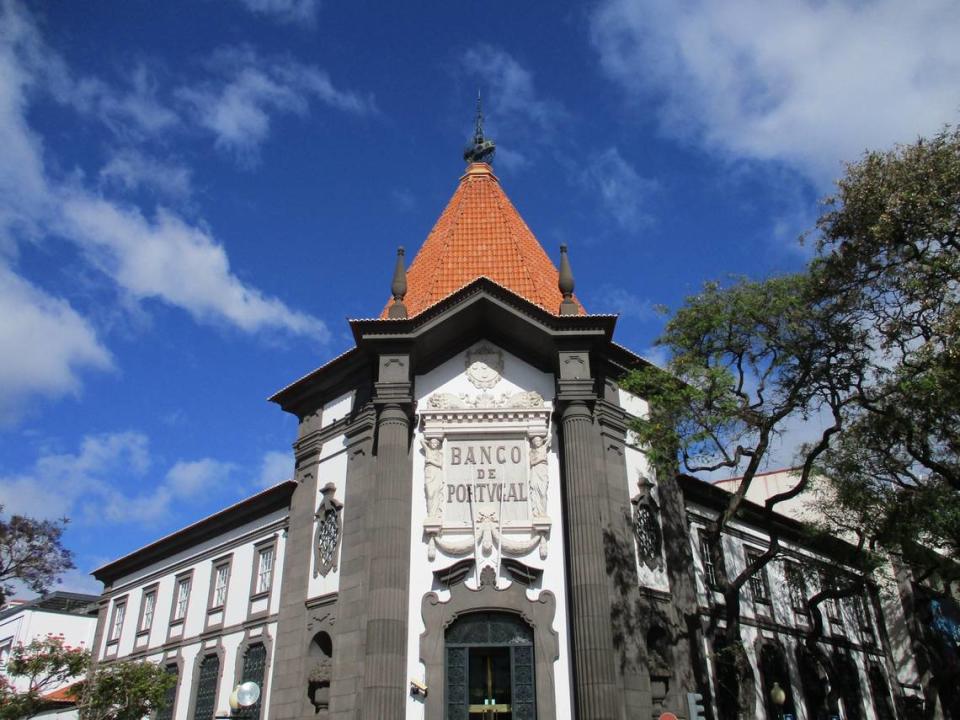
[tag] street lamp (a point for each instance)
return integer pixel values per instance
(243, 696)
(778, 697)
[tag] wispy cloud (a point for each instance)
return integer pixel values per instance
(622, 191)
(46, 346)
(275, 467)
(157, 255)
(613, 299)
(131, 170)
(293, 12)
(86, 482)
(809, 84)
(239, 106)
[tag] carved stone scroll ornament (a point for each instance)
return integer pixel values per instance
(517, 400)
(646, 525)
(488, 538)
(484, 366)
(326, 544)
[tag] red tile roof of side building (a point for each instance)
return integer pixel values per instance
(481, 234)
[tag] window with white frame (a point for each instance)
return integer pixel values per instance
(829, 583)
(149, 608)
(709, 568)
(796, 587)
(182, 598)
(759, 587)
(264, 569)
(221, 576)
(6, 647)
(119, 610)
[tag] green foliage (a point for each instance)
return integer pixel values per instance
(124, 691)
(45, 664)
(891, 244)
(117, 691)
(31, 552)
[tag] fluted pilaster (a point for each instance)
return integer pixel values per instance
(384, 683)
(593, 652)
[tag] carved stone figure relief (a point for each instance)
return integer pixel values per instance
(486, 469)
(539, 475)
(433, 476)
(326, 544)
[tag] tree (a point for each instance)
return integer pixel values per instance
(866, 336)
(114, 691)
(31, 552)
(747, 360)
(890, 241)
(44, 665)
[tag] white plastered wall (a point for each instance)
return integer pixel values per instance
(518, 376)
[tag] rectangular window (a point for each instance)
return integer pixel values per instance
(758, 581)
(221, 576)
(6, 647)
(119, 610)
(149, 607)
(828, 583)
(796, 586)
(264, 569)
(860, 611)
(182, 598)
(709, 569)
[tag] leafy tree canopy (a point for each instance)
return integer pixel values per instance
(31, 551)
(114, 691)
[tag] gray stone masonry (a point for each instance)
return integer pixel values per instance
(596, 696)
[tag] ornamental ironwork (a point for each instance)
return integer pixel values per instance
(646, 525)
(326, 546)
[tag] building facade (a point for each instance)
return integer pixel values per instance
(472, 533)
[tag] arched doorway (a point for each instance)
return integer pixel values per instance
(490, 668)
(774, 669)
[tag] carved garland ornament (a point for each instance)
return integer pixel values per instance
(646, 525)
(326, 544)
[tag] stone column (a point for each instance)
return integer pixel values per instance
(384, 682)
(288, 695)
(596, 691)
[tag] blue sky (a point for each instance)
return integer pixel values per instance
(195, 195)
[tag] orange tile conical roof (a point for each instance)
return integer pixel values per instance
(481, 234)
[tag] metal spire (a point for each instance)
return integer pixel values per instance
(480, 149)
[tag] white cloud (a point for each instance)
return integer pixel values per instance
(620, 188)
(170, 260)
(46, 345)
(809, 84)
(274, 468)
(612, 299)
(287, 11)
(510, 98)
(132, 170)
(161, 257)
(86, 489)
(238, 111)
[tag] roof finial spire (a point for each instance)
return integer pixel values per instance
(480, 149)
(399, 288)
(565, 282)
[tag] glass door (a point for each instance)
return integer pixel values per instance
(489, 668)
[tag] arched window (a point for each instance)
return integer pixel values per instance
(490, 667)
(847, 677)
(881, 693)
(813, 683)
(320, 668)
(254, 666)
(773, 669)
(205, 703)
